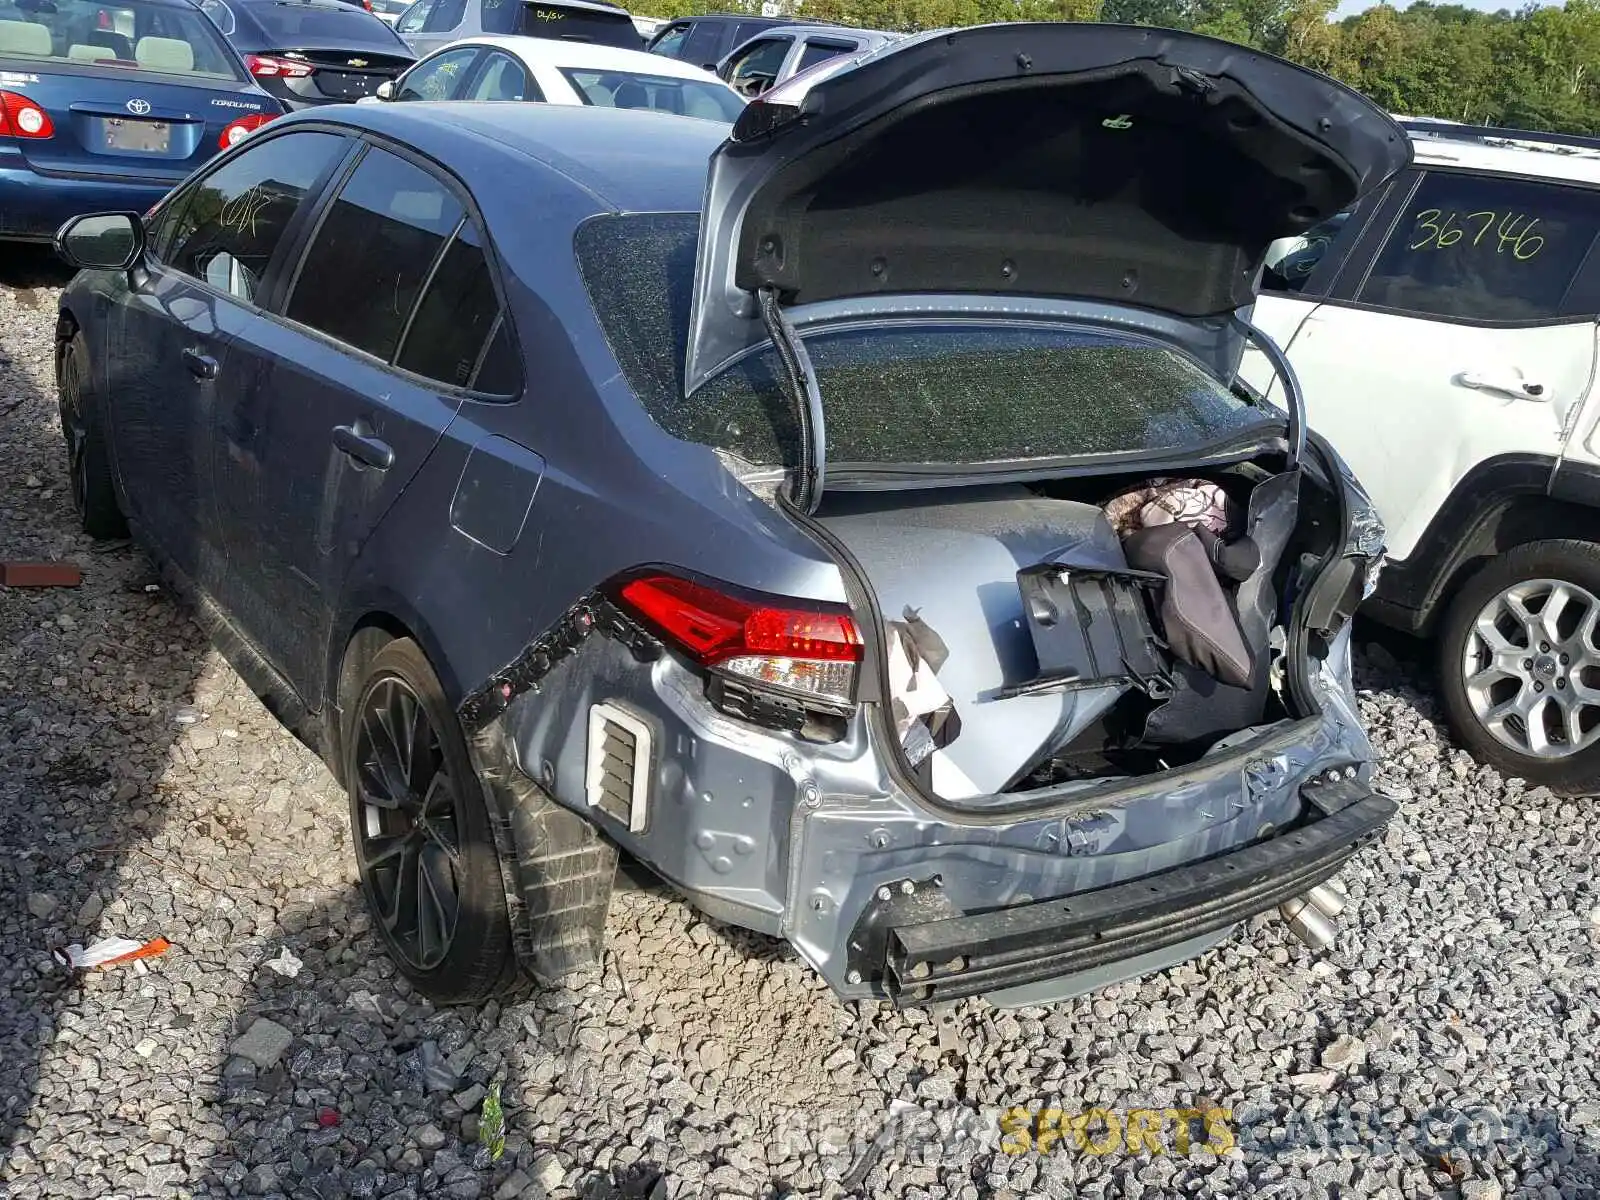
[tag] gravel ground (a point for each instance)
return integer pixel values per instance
(1445, 1046)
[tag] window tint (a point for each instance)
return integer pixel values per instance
(456, 316)
(502, 78)
(755, 70)
(232, 220)
(967, 392)
(580, 25)
(361, 275)
(1482, 248)
(436, 78)
(499, 16)
(671, 41)
(1291, 260)
(411, 21)
(704, 45)
(446, 15)
(500, 374)
(819, 52)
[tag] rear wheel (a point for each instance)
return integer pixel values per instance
(88, 463)
(1520, 664)
(420, 824)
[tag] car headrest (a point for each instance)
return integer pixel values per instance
(631, 94)
(164, 54)
(25, 37)
(78, 52)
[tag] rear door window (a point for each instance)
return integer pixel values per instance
(502, 77)
(436, 78)
(705, 44)
(230, 222)
(499, 16)
(456, 318)
(670, 41)
(815, 52)
(1485, 248)
(411, 20)
(756, 68)
(446, 15)
(362, 273)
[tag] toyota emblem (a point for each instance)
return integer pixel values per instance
(138, 107)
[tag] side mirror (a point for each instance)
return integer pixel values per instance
(385, 90)
(101, 241)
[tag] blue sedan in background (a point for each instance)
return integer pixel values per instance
(106, 104)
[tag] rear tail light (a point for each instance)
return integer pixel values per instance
(237, 131)
(267, 66)
(20, 117)
(813, 651)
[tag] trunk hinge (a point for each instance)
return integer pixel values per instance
(1291, 387)
(805, 490)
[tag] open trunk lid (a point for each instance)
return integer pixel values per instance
(1105, 163)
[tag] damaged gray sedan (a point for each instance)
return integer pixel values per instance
(871, 536)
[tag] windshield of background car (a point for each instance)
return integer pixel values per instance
(908, 393)
(126, 34)
(296, 23)
(658, 93)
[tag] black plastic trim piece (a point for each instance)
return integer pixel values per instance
(971, 955)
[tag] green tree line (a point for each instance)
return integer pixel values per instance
(1534, 68)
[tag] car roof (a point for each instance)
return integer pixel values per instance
(629, 160)
(555, 52)
(1508, 155)
(808, 27)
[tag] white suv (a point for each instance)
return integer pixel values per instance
(1444, 333)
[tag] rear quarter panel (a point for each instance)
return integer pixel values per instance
(617, 492)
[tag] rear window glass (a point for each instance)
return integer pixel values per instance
(295, 24)
(126, 34)
(580, 25)
(682, 97)
(924, 393)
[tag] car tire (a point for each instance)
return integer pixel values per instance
(94, 493)
(1518, 707)
(420, 826)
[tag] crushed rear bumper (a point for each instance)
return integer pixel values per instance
(926, 961)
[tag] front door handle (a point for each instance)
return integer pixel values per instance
(199, 364)
(359, 443)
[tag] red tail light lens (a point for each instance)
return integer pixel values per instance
(809, 650)
(238, 130)
(20, 117)
(267, 66)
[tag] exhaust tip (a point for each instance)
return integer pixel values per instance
(1308, 923)
(1328, 900)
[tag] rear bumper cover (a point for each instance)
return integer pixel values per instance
(33, 206)
(950, 957)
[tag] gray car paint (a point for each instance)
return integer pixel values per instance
(779, 836)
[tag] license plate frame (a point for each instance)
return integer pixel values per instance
(136, 137)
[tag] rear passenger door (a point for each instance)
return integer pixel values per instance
(389, 322)
(1460, 330)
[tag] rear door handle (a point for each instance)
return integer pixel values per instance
(199, 364)
(361, 445)
(1507, 385)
